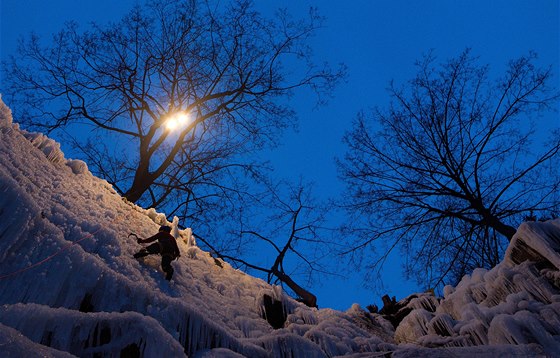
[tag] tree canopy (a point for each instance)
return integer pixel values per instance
(450, 168)
(222, 68)
(171, 103)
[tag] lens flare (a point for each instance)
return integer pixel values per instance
(177, 120)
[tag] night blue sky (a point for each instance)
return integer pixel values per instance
(378, 40)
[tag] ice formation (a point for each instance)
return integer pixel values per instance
(69, 285)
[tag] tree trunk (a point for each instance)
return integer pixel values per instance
(492, 221)
(506, 230)
(306, 297)
(142, 181)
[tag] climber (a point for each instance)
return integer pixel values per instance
(166, 246)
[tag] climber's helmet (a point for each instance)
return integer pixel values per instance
(165, 228)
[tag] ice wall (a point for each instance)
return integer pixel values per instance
(515, 303)
(70, 286)
(68, 280)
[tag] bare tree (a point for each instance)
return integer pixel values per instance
(294, 229)
(221, 69)
(450, 169)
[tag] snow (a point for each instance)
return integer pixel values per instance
(112, 331)
(510, 304)
(69, 285)
(5, 114)
(13, 344)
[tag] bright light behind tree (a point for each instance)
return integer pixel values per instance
(177, 120)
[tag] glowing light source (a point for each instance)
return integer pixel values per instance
(177, 120)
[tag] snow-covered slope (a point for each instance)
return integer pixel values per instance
(70, 286)
(515, 303)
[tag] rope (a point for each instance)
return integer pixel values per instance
(48, 258)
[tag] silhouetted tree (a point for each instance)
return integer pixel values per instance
(221, 66)
(452, 166)
(293, 228)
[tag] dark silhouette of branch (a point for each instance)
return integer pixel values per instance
(453, 169)
(222, 63)
(298, 222)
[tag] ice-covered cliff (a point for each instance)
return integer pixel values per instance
(70, 286)
(515, 303)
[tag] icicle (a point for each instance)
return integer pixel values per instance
(442, 325)
(425, 301)
(475, 331)
(188, 237)
(286, 345)
(537, 242)
(413, 326)
(175, 227)
(106, 334)
(304, 315)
